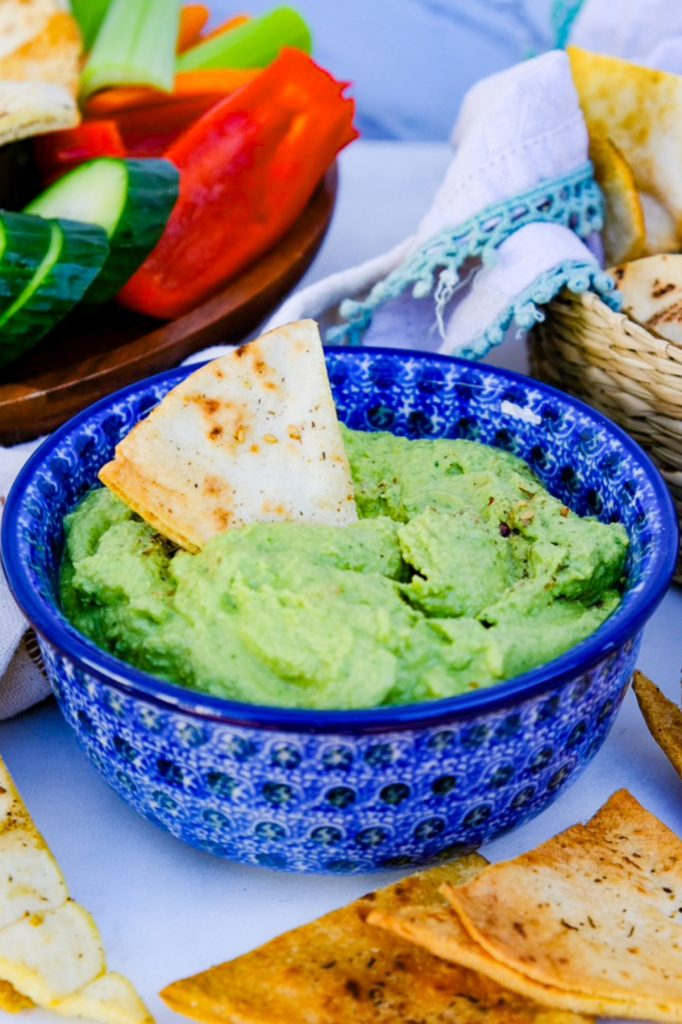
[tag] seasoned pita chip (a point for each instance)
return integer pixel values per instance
(109, 999)
(11, 1001)
(30, 880)
(24, 20)
(663, 718)
(624, 231)
(652, 293)
(251, 437)
(659, 227)
(52, 56)
(641, 110)
(51, 952)
(596, 911)
(49, 955)
(440, 931)
(341, 969)
(34, 108)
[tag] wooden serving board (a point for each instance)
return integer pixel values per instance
(88, 357)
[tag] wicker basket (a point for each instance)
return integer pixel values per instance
(620, 368)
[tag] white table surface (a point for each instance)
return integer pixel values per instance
(166, 910)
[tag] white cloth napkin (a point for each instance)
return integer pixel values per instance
(498, 240)
(21, 681)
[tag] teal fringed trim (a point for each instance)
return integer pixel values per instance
(574, 201)
(563, 16)
(576, 275)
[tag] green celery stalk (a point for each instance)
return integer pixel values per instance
(135, 45)
(253, 45)
(89, 14)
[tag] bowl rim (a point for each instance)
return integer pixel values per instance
(50, 623)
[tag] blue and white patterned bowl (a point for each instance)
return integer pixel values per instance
(351, 791)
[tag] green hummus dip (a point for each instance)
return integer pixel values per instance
(461, 572)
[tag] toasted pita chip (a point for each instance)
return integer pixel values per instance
(663, 718)
(652, 293)
(251, 437)
(109, 999)
(24, 20)
(30, 879)
(440, 931)
(624, 231)
(341, 969)
(594, 911)
(50, 949)
(53, 56)
(34, 108)
(659, 227)
(12, 1001)
(641, 110)
(47, 956)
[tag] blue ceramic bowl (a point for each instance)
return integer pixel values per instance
(351, 791)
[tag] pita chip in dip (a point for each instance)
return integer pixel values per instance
(250, 437)
(341, 969)
(590, 921)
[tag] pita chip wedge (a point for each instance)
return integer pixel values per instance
(12, 1001)
(640, 109)
(624, 231)
(659, 227)
(30, 879)
(595, 912)
(663, 717)
(24, 20)
(340, 969)
(51, 952)
(34, 108)
(52, 56)
(250, 437)
(441, 932)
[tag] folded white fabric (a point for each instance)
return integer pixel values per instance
(520, 172)
(21, 682)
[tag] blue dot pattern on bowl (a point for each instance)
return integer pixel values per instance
(348, 800)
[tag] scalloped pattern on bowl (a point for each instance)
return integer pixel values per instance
(352, 791)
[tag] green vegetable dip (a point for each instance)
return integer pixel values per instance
(461, 572)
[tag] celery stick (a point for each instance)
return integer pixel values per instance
(253, 45)
(135, 45)
(89, 14)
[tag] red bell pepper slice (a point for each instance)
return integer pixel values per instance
(58, 152)
(150, 130)
(248, 168)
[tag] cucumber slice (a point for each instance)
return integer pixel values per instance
(74, 257)
(24, 242)
(130, 199)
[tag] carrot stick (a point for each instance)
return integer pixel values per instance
(192, 83)
(193, 17)
(218, 82)
(227, 26)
